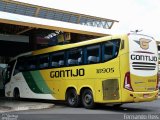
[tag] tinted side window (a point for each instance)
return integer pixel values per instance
(75, 57)
(44, 61)
(110, 49)
(57, 59)
(93, 54)
(32, 63)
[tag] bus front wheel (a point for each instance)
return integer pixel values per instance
(72, 98)
(87, 99)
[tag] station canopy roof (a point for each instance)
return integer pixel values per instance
(36, 11)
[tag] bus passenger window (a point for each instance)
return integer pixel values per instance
(93, 54)
(32, 63)
(44, 61)
(57, 59)
(75, 57)
(110, 50)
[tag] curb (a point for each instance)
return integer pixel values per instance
(21, 108)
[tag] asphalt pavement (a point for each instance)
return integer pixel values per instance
(9, 104)
(27, 109)
(132, 111)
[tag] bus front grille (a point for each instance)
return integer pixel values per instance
(110, 89)
(143, 66)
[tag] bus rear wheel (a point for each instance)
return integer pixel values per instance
(72, 98)
(87, 99)
(16, 94)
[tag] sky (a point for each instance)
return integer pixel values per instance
(132, 14)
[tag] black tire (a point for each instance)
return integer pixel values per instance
(72, 98)
(87, 99)
(16, 94)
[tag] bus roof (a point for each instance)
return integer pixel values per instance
(72, 45)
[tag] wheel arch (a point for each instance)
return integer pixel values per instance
(84, 88)
(68, 88)
(16, 89)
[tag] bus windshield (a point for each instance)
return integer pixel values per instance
(8, 72)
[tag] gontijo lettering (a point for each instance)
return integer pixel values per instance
(143, 57)
(67, 73)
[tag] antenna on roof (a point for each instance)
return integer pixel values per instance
(136, 31)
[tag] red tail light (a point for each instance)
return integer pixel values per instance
(158, 77)
(127, 82)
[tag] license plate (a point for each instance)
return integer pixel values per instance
(145, 95)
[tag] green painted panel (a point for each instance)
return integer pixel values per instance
(40, 82)
(31, 83)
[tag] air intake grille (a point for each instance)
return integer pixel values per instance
(110, 89)
(143, 66)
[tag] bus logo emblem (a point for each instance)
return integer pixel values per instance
(144, 43)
